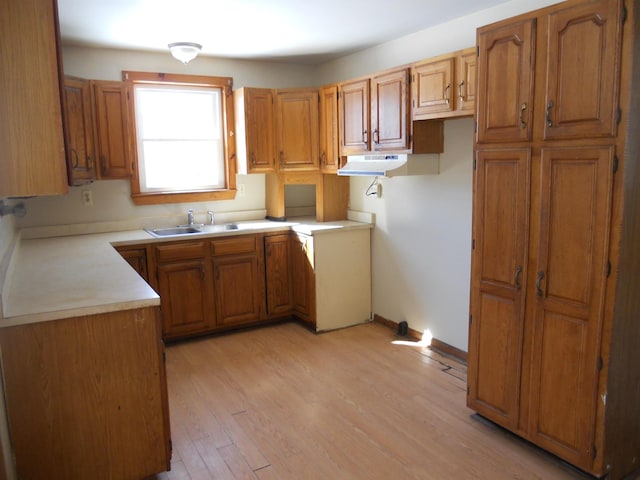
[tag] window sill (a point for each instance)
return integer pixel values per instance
(182, 197)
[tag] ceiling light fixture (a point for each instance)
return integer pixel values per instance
(185, 51)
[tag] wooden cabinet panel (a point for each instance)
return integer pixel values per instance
(505, 77)
(569, 295)
(390, 111)
(354, 108)
(238, 289)
(79, 131)
(137, 258)
(582, 40)
(255, 132)
(498, 280)
(113, 129)
(329, 142)
(278, 274)
(432, 92)
(87, 396)
(31, 131)
(466, 80)
(186, 304)
(297, 130)
(302, 265)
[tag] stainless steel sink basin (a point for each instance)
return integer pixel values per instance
(169, 231)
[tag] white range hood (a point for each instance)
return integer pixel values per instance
(391, 165)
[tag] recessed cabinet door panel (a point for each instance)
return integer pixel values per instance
(238, 289)
(498, 281)
(354, 117)
(78, 118)
(582, 67)
(185, 306)
(297, 130)
(390, 112)
(466, 81)
(505, 75)
(433, 88)
(576, 189)
(260, 144)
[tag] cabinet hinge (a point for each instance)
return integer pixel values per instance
(594, 452)
(618, 116)
(624, 13)
(600, 364)
(470, 319)
(475, 162)
(615, 163)
(468, 390)
(410, 138)
(170, 445)
(337, 95)
(164, 357)
(475, 127)
(473, 244)
(608, 269)
(128, 96)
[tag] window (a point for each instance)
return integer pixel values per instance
(183, 142)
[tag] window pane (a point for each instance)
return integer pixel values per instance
(180, 141)
(182, 165)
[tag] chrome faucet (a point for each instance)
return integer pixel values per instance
(210, 214)
(190, 217)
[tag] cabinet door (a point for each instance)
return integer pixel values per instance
(329, 156)
(186, 303)
(390, 111)
(576, 188)
(79, 131)
(137, 258)
(31, 135)
(113, 130)
(506, 64)
(583, 66)
(260, 130)
(302, 277)
(278, 274)
(297, 130)
(354, 117)
(498, 280)
(432, 88)
(238, 289)
(465, 76)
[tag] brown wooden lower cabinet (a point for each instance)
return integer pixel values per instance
(302, 264)
(278, 263)
(87, 396)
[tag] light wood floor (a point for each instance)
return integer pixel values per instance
(283, 403)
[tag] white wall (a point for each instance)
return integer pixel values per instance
(422, 239)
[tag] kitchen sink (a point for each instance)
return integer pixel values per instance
(167, 232)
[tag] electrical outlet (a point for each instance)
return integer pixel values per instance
(240, 187)
(87, 198)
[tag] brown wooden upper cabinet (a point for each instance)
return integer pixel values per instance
(329, 131)
(297, 131)
(374, 113)
(444, 86)
(79, 131)
(584, 48)
(255, 136)
(114, 130)
(31, 132)
(354, 107)
(390, 123)
(505, 78)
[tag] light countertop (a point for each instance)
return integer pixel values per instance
(67, 276)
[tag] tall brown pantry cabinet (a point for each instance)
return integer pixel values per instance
(555, 289)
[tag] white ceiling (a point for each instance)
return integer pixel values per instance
(300, 31)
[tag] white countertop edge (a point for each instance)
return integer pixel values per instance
(78, 312)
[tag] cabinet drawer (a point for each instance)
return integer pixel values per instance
(180, 251)
(231, 246)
